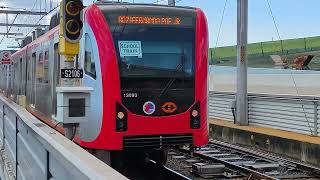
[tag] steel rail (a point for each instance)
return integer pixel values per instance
(314, 170)
(151, 170)
(250, 173)
(170, 173)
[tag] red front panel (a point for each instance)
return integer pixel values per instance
(201, 136)
(138, 124)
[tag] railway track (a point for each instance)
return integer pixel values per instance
(312, 170)
(220, 160)
(152, 171)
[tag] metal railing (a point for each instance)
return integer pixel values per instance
(32, 150)
(291, 113)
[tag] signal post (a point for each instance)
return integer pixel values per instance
(72, 100)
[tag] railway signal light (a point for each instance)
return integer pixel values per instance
(72, 20)
(70, 27)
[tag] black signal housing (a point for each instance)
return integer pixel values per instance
(72, 17)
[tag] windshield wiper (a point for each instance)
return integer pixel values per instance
(181, 66)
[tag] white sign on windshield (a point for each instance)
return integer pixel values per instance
(130, 48)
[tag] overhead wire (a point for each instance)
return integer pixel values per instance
(9, 28)
(15, 20)
(220, 26)
(59, 6)
(33, 7)
(291, 73)
(7, 7)
(41, 19)
(273, 19)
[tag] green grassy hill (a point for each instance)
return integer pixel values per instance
(259, 53)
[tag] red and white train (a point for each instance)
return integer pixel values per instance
(148, 66)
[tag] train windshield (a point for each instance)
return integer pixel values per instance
(155, 51)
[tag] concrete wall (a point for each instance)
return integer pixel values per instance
(302, 151)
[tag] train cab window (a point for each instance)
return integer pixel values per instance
(46, 67)
(89, 64)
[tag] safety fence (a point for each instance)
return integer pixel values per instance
(299, 114)
(30, 150)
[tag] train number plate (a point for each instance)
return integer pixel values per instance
(71, 73)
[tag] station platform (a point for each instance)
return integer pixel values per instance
(297, 146)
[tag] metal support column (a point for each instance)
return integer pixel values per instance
(242, 101)
(315, 132)
(171, 2)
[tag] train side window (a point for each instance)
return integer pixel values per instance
(33, 59)
(39, 69)
(89, 64)
(20, 76)
(46, 67)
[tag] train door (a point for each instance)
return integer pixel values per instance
(33, 78)
(92, 78)
(26, 73)
(8, 78)
(2, 77)
(28, 82)
(55, 78)
(20, 71)
(14, 78)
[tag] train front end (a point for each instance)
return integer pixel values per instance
(154, 75)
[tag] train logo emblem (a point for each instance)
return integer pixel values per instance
(149, 108)
(169, 107)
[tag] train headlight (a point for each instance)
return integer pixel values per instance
(195, 116)
(120, 115)
(121, 118)
(194, 113)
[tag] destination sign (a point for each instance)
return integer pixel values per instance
(152, 20)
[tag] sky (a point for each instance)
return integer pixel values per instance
(294, 18)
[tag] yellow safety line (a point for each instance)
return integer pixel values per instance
(268, 131)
